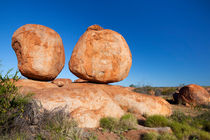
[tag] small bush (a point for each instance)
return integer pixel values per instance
(169, 91)
(180, 130)
(150, 136)
(128, 122)
(202, 121)
(156, 136)
(109, 123)
(183, 127)
(167, 136)
(202, 135)
(156, 121)
(144, 89)
(56, 124)
(12, 103)
(180, 117)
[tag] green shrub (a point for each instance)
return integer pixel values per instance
(180, 117)
(144, 89)
(156, 136)
(132, 85)
(17, 136)
(167, 136)
(109, 123)
(202, 135)
(181, 130)
(183, 127)
(169, 91)
(127, 122)
(11, 102)
(156, 121)
(150, 136)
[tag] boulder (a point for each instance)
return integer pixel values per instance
(208, 89)
(101, 56)
(39, 51)
(62, 82)
(87, 103)
(193, 95)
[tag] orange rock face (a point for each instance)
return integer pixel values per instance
(194, 95)
(39, 51)
(87, 103)
(101, 55)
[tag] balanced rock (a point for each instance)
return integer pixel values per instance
(39, 51)
(87, 103)
(101, 55)
(193, 95)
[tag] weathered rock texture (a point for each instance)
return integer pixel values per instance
(101, 55)
(39, 51)
(88, 103)
(193, 95)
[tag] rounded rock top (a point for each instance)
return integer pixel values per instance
(39, 51)
(101, 56)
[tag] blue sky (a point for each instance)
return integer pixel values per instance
(169, 39)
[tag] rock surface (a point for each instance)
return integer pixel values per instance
(101, 55)
(80, 81)
(88, 103)
(39, 51)
(193, 95)
(62, 82)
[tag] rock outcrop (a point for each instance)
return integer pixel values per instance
(192, 95)
(39, 51)
(87, 103)
(101, 56)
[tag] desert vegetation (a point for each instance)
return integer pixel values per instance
(157, 91)
(183, 126)
(125, 123)
(22, 118)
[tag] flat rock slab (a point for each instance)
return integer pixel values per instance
(87, 103)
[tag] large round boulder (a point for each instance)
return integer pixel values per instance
(192, 95)
(39, 51)
(101, 56)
